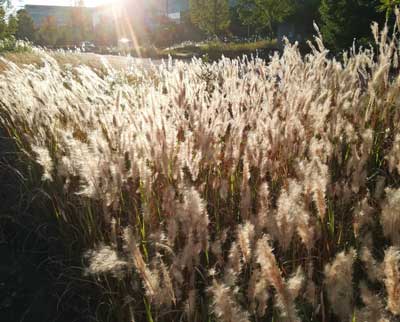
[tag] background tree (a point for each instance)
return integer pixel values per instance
(344, 21)
(12, 26)
(305, 13)
(307, 10)
(48, 32)
(65, 37)
(388, 6)
(105, 33)
(245, 13)
(263, 14)
(211, 16)
(3, 23)
(6, 4)
(80, 24)
(25, 26)
(237, 27)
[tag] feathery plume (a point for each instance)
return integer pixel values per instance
(390, 217)
(392, 279)
(225, 307)
(339, 283)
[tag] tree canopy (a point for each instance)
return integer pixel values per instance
(25, 27)
(388, 6)
(3, 23)
(263, 14)
(344, 21)
(211, 16)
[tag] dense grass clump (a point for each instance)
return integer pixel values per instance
(235, 191)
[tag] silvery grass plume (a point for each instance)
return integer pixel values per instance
(339, 283)
(392, 279)
(237, 190)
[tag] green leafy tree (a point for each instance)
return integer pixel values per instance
(3, 24)
(263, 14)
(344, 21)
(211, 16)
(246, 12)
(25, 27)
(388, 6)
(6, 4)
(307, 10)
(12, 26)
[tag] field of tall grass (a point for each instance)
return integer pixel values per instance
(241, 190)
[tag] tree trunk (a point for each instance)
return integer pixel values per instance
(215, 17)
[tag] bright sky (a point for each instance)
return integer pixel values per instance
(61, 2)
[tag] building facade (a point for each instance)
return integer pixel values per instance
(61, 14)
(143, 10)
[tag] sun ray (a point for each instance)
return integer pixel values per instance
(131, 33)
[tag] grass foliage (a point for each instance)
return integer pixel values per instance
(215, 49)
(241, 190)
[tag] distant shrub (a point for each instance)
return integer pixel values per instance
(14, 45)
